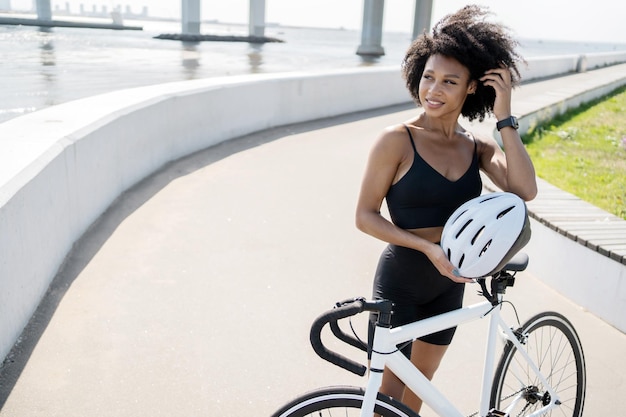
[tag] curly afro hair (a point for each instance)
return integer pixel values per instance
(477, 44)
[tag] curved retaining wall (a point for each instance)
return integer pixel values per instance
(550, 66)
(60, 168)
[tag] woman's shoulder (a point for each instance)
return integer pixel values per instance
(395, 130)
(393, 141)
(394, 135)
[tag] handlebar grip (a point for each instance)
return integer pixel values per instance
(322, 351)
(346, 338)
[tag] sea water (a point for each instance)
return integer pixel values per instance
(42, 67)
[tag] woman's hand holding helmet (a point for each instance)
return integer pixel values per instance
(439, 259)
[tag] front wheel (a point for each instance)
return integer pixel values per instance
(343, 401)
(553, 345)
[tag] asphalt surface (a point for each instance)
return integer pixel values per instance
(194, 293)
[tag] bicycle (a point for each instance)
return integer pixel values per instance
(541, 370)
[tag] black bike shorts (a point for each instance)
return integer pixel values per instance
(408, 278)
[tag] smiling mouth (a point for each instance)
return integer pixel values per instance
(434, 102)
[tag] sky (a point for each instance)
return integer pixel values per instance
(575, 20)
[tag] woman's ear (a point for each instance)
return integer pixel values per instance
(471, 88)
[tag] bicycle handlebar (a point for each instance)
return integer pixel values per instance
(343, 310)
(346, 338)
(355, 306)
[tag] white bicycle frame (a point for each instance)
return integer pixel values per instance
(386, 340)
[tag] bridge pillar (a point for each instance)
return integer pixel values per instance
(372, 31)
(190, 18)
(256, 22)
(44, 10)
(423, 17)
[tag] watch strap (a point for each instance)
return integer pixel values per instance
(509, 121)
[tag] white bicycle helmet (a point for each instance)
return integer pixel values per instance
(483, 234)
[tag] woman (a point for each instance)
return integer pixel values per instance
(429, 165)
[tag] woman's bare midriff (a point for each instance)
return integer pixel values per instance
(432, 234)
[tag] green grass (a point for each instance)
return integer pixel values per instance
(584, 152)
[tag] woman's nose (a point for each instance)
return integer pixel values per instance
(435, 87)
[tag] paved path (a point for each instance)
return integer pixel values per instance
(193, 294)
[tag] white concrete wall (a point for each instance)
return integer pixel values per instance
(548, 66)
(591, 280)
(60, 168)
(602, 59)
(566, 102)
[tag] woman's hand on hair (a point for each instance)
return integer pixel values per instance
(500, 80)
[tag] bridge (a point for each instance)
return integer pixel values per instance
(371, 32)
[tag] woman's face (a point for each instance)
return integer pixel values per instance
(444, 85)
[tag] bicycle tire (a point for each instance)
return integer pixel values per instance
(554, 346)
(344, 401)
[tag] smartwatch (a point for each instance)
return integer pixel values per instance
(509, 121)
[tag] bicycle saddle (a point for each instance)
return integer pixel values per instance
(518, 263)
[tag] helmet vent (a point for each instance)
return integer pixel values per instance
(504, 212)
(461, 260)
(491, 197)
(477, 235)
(482, 252)
(463, 228)
(459, 216)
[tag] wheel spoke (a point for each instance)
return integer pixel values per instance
(553, 345)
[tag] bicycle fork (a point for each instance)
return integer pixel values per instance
(488, 370)
(373, 385)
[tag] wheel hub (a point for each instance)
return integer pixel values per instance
(532, 395)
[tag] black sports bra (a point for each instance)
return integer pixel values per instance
(425, 198)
